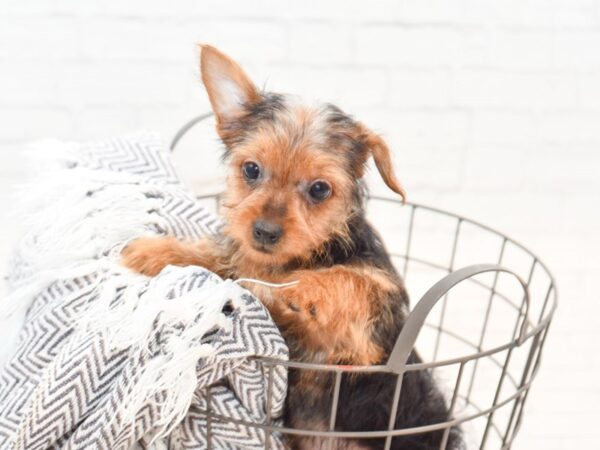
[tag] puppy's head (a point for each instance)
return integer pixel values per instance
(294, 170)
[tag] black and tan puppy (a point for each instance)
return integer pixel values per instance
(294, 212)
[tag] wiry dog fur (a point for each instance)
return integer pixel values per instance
(349, 303)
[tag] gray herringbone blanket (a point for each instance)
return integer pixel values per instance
(108, 359)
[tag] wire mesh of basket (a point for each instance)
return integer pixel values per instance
(482, 305)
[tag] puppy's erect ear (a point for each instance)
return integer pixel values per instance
(229, 88)
(383, 160)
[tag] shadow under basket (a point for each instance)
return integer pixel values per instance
(481, 308)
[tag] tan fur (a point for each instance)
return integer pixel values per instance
(383, 162)
(329, 316)
(150, 255)
(289, 165)
(330, 311)
(309, 310)
(216, 67)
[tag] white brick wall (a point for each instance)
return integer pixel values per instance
(493, 109)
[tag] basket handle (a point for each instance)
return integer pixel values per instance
(187, 127)
(408, 336)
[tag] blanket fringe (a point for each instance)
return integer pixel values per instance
(182, 321)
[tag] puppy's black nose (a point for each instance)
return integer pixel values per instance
(266, 233)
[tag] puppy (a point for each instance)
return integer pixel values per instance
(294, 212)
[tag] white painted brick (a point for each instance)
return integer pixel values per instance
(391, 45)
(442, 173)
(320, 43)
(12, 168)
(168, 41)
(521, 49)
(30, 83)
(129, 39)
(571, 127)
(527, 90)
(123, 83)
(414, 88)
(578, 49)
(436, 11)
(20, 124)
(581, 216)
(428, 148)
(491, 109)
(344, 10)
(39, 38)
(168, 120)
(461, 12)
(332, 10)
(589, 90)
(521, 13)
(318, 10)
(134, 8)
(338, 10)
(501, 209)
(351, 87)
(101, 123)
(472, 49)
(254, 41)
(562, 171)
(458, 12)
(502, 127)
(447, 129)
(495, 168)
(272, 9)
(576, 13)
(427, 46)
(36, 7)
(358, 88)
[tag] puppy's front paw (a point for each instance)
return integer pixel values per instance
(148, 256)
(299, 299)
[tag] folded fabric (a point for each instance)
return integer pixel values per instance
(109, 359)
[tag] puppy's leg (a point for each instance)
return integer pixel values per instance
(150, 255)
(331, 311)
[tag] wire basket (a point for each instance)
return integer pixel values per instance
(484, 307)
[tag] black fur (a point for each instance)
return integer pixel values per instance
(345, 134)
(366, 399)
(236, 131)
(342, 129)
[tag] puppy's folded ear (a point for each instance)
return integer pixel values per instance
(383, 160)
(230, 91)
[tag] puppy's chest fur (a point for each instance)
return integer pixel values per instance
(361, 252)
(293, 184)
(379, 313)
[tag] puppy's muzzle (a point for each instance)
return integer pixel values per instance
(266, 233)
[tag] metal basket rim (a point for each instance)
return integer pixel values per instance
(398, 366)
(535, 329)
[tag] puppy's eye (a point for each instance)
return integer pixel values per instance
(251, 171)
(319, 191)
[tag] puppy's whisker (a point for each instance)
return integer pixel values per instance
(294, 210)
(266, 283)
(229, 205)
